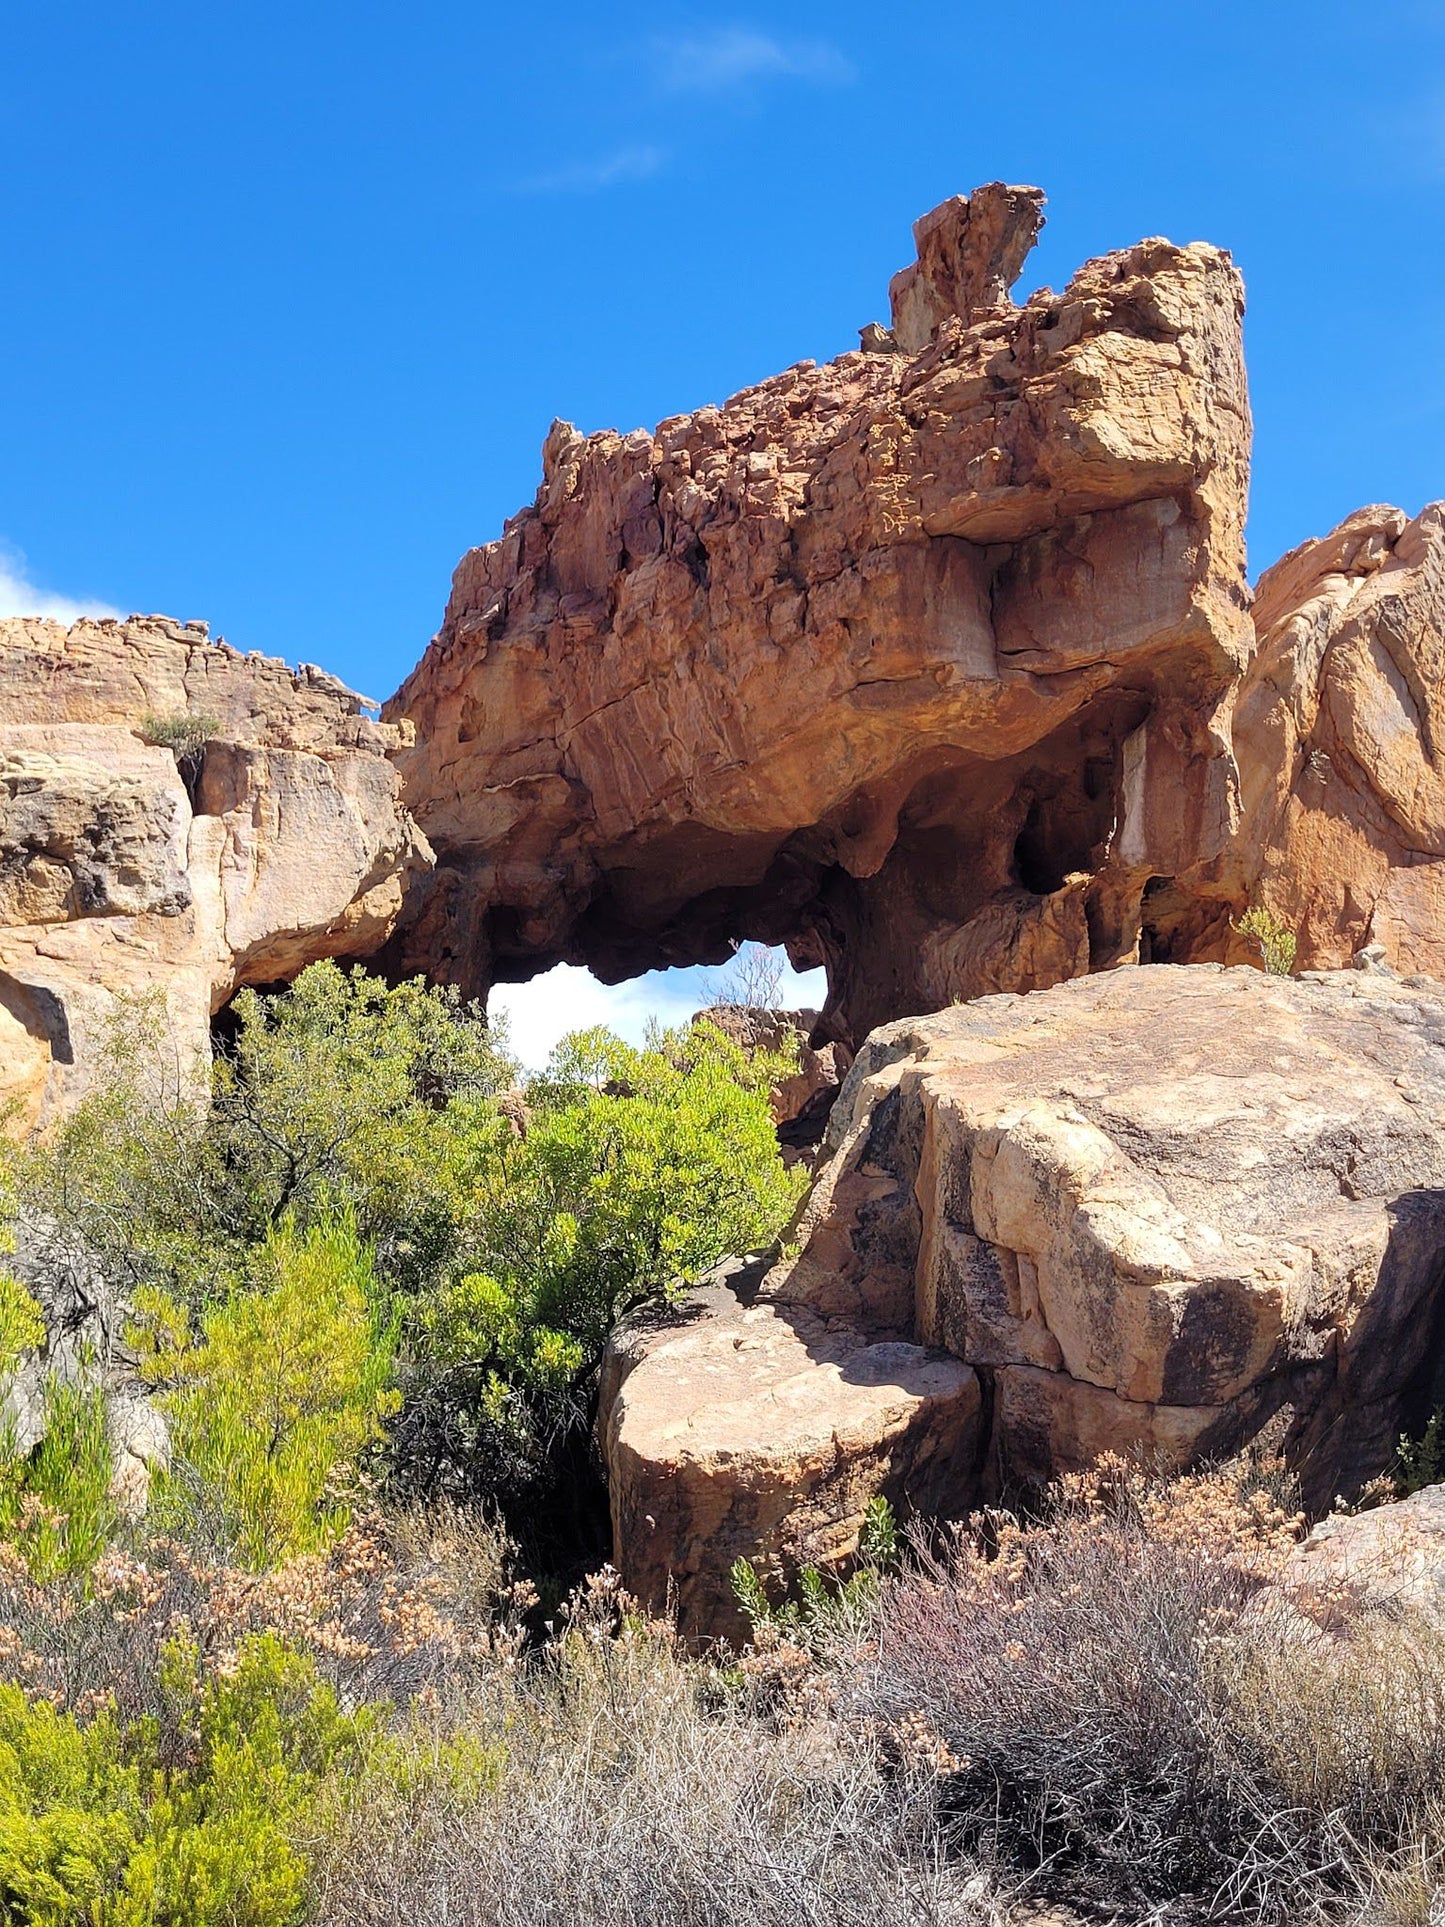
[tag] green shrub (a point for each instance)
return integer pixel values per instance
(196, 1819)
(638, 1169)
(183, 733)
(56, 1506)
(508, 1253)
(282, 1386)
(1272, 938)
(1421, 1462)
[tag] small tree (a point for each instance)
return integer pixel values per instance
(282, 1387)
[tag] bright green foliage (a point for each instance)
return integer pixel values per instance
(342, 1094)
(21, 1326)
(822, 1606)
(1421, 1462)
(1272, 937)
(57, 1506)
(284, 1384)
(507, 1253)
(638, 1170)
(193, 1820)
(348, 1094)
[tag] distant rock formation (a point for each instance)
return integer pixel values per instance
(1151, 1211)
(282, 839)
(920, 661)
(1339, 734)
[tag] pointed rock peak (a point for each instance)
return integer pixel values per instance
(971, 249)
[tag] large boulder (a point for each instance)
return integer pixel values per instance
(919, 661)
(1154, 1211)
(755, 1430)
(275, 836)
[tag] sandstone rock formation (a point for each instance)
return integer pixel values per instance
(1154, 1211)
(1390, 1559)
(761, 1431)
(919, 661)
(1340, 739)
(118, 877)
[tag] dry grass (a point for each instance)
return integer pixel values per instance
(1121, 1707)
(405, 1604)
(1124, 1707)
(638, 1790)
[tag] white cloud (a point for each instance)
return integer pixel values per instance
(540, 1013)
(617, 169)
(19, 596)
(726, 58)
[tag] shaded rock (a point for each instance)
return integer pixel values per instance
(120, 877)
(1154, 1210)
(919, 662)
(1338, 733)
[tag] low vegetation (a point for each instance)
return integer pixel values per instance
(347, 1665)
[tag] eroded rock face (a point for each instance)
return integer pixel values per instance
(117, 877)
(1155, 1211)
(1338, 734)
(919, 661)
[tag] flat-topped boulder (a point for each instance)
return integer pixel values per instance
(1156, 1211)
(761, 1431)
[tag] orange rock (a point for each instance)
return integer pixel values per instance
(919, 661)
(1153, 1212)
(1339, 732)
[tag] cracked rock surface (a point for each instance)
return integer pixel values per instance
(1153, 1211)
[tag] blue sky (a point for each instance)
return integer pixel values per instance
(290, 293)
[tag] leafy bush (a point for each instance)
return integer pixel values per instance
(57, 1504)
(504, 1240)
(1421, 1462)
(184, 733)
(1272, 938)
(637, 1170)
(285, 1384)
(192, 1820)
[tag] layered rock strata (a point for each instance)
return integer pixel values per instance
(1152, 1211)
(1339, 734)
(919, 661)
(124, 874)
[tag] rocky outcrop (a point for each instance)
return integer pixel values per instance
(1154, 1211)
(275, 838)
(761, 1431)
(1390, 1559)
(919, 661)
(1340, 740)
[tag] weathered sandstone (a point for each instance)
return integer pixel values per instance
(761, 1431)
(1156, 1211)
(919, 661)
(117, 878)
(1390, 1558)
(1340, 738)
